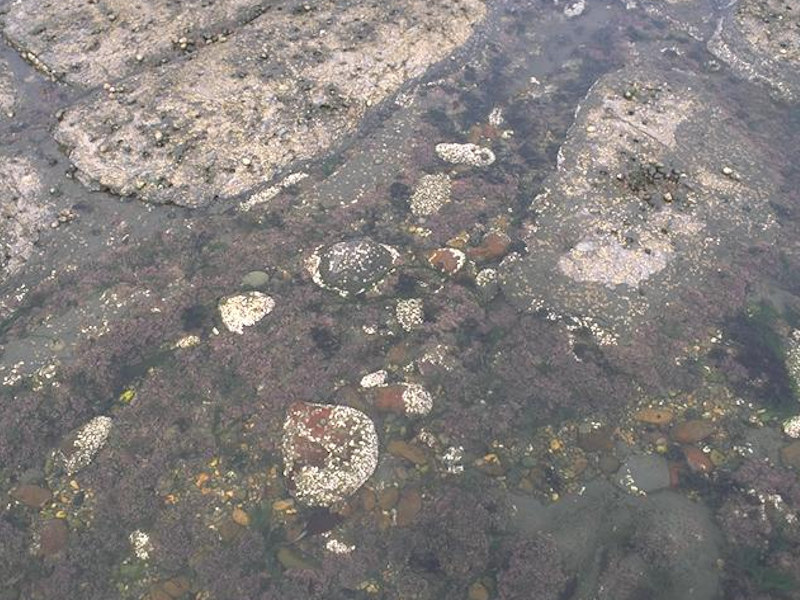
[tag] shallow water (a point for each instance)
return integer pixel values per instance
(619, 427)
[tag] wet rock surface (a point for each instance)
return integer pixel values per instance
(7, 90)
(25, 212)
(759, 40)
(390, 423)
(655, 188)
(280, 90)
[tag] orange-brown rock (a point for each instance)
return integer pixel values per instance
(408, 507)
(691, 432)
(697, 460)
(240, 517)
(447, 260)
(654, 416)
(409, 452)
(493, 246)
(389, 398)
(478, 591)
(54, 536)
(31, 495)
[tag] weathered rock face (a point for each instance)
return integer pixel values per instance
(655, 187)
(91, 43)
(283, 88)
(7, 91)
(760, 39)
(23, 214)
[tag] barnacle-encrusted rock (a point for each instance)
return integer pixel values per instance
(285, 87)
(657, 187)
(410, 399)
(81, 447)
(430, 195)
(328, 452)
(352, 267)
(760, 40)
(244, 310)
(7, 91)
(465, 154)
(23, 213)
(410, 313)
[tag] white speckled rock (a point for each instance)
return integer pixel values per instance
(328, 452)
(244, 310)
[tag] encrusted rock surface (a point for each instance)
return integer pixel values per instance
(328, 451)
(656, 186)
(7, 91)
(760, 40)
(23, 213)
(283, 88)
(91, 43)
(352, 267)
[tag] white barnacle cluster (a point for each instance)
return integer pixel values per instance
(452, 460)
(244, 310)
(338, 547)
(791, 427)
(375, 379)
(486, 277)
(88, 441)
(140, 544)
(465, 154)
(430, 195)
(350, 444)
(409, 313)
(416, 400)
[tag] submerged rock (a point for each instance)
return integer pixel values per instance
(80, 448)
(352, 267)
(639, 208)
(23, 214)
(760, 40)
(328, 452)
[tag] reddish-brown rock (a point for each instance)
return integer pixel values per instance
(31, 495)
(691, 432)
(697, 460)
